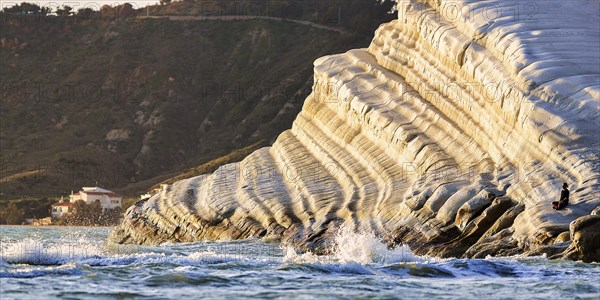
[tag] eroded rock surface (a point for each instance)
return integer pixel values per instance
(450, 133)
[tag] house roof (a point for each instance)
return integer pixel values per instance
(95, 189)
(110, 194)
(67, 204)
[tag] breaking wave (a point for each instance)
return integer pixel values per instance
(38, 251)
(357, 252)
(362, 247)
(37, 271)
(352, 252)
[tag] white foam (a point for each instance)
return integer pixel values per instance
(362, 247)
(213, 257)
(199, 258)
(365, 248)
(37, 271)
(36, 251)
(291, 255)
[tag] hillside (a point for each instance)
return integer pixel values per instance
(126, 104)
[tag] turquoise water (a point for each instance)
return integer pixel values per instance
(75, 263)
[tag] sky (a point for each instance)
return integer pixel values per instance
(78, 4)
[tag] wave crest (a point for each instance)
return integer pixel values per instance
(37, 251)
(362, 247)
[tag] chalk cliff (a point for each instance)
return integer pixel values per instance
(451, 133)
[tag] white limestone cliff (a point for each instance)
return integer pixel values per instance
(452, 133)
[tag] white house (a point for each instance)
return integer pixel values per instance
(108, 199)
(61, 209)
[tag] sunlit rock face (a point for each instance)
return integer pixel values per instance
(451, 133)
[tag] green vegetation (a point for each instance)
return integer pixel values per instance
(128, 201)
(27, 8)
(212, 165)
(124, 103)
(16, 211)
(361, 16)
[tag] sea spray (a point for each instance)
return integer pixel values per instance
(38, 251)
(365, 248)
(362, 247)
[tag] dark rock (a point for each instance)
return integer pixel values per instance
(585, 239)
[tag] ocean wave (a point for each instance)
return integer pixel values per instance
(354, 252)
(361, 247)
(38, 271)
(365, 248)
(340, 268)
(198, 258)
(33, 251)
(185, 275)
(362, 252)
(37, 251)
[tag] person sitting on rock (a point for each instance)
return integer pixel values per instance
(564, 197)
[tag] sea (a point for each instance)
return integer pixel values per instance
(77, 263)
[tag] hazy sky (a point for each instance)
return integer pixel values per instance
(79, 4)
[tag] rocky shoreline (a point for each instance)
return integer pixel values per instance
(450, 135)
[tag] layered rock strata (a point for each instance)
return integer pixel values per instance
(451, 133)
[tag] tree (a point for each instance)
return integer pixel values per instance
(30, 8)
(45, 10)
(26, 8)
(92, 215)
(65, 11)
(87, 13)
(126, 10)
(12, 215)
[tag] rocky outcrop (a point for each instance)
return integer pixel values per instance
(450, 133)
(585, 237)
